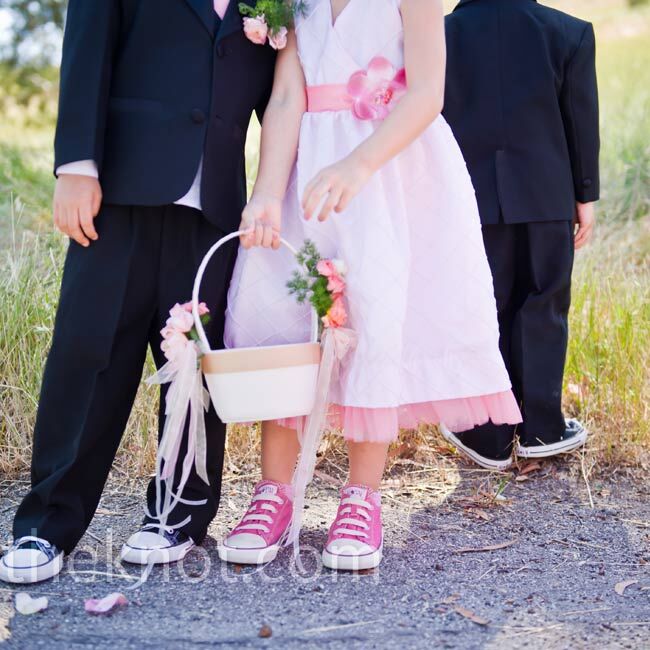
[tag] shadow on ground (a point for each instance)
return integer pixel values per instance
(537, 569)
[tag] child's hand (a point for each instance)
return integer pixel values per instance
(77, 200)
(340, 183)
(585, 219)
(262, 219)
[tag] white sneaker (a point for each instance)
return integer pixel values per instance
(151, 545)
(29, 560)
(574, 437)
(499, 465)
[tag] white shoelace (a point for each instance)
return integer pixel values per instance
(344, 522)
(255, 517)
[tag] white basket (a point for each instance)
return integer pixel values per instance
(253, 384)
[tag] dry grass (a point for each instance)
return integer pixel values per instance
(608, 370)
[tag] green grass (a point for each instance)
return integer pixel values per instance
(608, 366)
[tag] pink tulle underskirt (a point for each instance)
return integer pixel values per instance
(383, 424)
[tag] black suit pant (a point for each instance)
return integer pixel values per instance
(531, 266)
(115, 298)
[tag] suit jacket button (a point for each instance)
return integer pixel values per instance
(586, 182)
(197, 115)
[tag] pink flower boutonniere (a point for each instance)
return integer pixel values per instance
(270, 20)
(323, 284)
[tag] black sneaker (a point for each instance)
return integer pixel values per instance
(468, 444)
(30, 560)
(153, 545)
(575, 435)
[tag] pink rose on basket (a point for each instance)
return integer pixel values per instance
(337, 316)
(179, 329)
(174, 344)
(256, 29)
(278, 39)
(321, 282)
(376, 89)
(180, 319)
(328, 269)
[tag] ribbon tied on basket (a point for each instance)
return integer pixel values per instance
(336, 344)
(186, 395)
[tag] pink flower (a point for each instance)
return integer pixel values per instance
(180, 319)
(203, 308)
(337, 316)
(174, 345)
(375, 91)
(326, 268)
(256, 29)
(278, 40)
(336, 284)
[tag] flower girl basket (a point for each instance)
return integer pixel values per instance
(263, 383)
(245, 385)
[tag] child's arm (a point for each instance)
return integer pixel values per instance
(425, 55)
(91, 35)
(579, 107)
(263, 214)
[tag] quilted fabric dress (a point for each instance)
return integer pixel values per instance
(420, 295)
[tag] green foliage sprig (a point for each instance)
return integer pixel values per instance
(310, 284)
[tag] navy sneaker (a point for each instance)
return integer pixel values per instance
(480, 448)
(575, 435)
(153, 545)
(30, 560)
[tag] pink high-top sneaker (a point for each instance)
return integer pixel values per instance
(257, 538)
(355, 540)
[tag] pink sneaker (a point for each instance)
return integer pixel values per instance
(257, 538)
(355, 540)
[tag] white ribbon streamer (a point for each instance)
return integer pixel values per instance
(186, 393)
(336, 343)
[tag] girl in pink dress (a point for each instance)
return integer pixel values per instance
(369, 170)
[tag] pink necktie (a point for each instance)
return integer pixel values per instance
(220, 7)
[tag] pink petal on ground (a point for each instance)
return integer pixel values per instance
(106, 605)
(359, 85)
(380, 69)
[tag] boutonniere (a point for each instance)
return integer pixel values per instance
(270, 20)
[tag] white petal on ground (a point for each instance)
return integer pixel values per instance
(27, 605)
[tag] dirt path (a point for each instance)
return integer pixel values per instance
(550, 581)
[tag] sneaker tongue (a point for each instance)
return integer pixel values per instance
(267, 488)
(355, 491)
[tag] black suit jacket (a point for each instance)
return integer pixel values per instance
(150, 86)
(522, 101)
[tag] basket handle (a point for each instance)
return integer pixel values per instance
(205, 345)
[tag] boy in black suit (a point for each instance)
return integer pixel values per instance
(522, 101)
(155, 102)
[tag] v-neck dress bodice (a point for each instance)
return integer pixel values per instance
(419, 288)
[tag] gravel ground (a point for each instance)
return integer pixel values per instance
(536, 567)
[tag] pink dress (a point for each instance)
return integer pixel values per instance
(420, 295)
